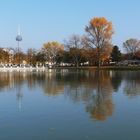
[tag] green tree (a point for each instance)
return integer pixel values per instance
(67, 57)
(41, 57)
(116, 54)
(60, 57)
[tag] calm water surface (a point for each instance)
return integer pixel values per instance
(70, 105)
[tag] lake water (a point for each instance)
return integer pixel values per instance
(70, 105)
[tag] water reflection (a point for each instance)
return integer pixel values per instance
(100, 105)
(132, 83)
(94, 89)
(19, 99)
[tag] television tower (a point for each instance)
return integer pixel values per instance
(19, 39)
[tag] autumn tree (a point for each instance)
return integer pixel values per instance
(19, 56)
(90, 53)
(100, 32)
(31, 56)
(75, 47)
(4, 56)
(105, 54)
(138, 54)
(11, 54)
(132, 46)
(116, 54)
(52, 49)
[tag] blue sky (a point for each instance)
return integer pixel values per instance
(48, 20)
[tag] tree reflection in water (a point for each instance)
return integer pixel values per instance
(93, 88)
(101, 105)
(131, 84)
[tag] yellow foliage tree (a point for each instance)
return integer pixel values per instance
(51, 49)
(100, 32)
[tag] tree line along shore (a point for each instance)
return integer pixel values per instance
(95, 48)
